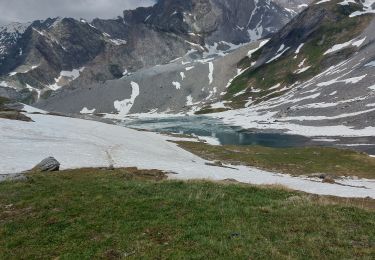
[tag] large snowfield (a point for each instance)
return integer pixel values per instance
(78, 143)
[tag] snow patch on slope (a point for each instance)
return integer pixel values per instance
(123, 107)
(338, 47)
(177, 84)
(79, 143)
(68, 76)
(210, 74)
(279, 53)
(368, 8)
(85, 110)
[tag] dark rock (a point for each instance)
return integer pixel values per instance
(234, 235)
(49, 164)
(317, 175)
(329, 179)
(14, 115)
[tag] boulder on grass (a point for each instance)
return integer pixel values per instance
(49, 164)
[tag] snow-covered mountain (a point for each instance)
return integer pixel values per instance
(43, 57)
(9, 35)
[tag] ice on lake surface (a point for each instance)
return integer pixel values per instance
(210, 127)
(232, 135)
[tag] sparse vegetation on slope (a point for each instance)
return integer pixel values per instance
(3, 101)
(317, 34)
(295, 161)
(93, 213)
(9, 113)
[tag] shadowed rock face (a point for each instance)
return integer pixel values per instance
(39, 58)
(62, 43)
(45, 49)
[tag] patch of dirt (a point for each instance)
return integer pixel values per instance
(112, 254)
(135, 173)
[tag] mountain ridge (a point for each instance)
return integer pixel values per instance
(49, 52)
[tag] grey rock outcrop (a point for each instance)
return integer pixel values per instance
(49, 164)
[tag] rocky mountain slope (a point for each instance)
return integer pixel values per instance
(40, 58)
(314, 77)
(182, 85)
